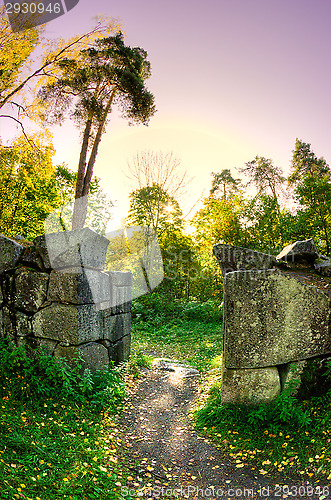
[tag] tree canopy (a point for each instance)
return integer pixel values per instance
(107, 73)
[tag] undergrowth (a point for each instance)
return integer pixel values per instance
(286, 436)
(58, 439)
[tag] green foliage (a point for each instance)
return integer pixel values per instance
(15, 50)
(28, 187)
(305, 162)
(224, 185)
(266, 177)
(153, 208)
(153, 310)
(45, 377)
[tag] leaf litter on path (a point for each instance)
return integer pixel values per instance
(168, 458)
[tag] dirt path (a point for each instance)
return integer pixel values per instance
(169, 459)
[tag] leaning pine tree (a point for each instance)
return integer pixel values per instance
(86, 88)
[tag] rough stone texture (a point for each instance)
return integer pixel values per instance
(31, 258)
(299, 250)
(75, 311)
(23, 325)
(81, 247)
(120, 351)
(95, 356)
(250, 387)
(10, 252)
(30, 289)
(79, 286)
(272, 318)
(68, 323)
(322, 265)
(40, 252)
(232, 258)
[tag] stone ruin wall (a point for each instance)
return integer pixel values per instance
(58, 296)
(276, 322)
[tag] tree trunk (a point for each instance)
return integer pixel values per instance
(76, 216)
(85, 173)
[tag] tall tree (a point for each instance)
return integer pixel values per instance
(153, 208)
(225, 184)
(105, 74)
(19, 71)
(305, 162)
(149, 168)
(266, 177)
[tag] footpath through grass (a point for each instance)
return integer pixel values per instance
(288, 436)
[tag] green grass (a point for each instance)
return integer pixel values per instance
(185, 331)
(58, 438)
(287, 436)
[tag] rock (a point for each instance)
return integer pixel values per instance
(68, 323)
(232, 258)
(10, 252)
(40, 250)
(120, 351)
(85, 286)
(271, 319)
(322, 265)
(115, 327)
(30, 289)
(250, 387)
(95, 356)
(180, 369)
(23, 325)
(31, 258)
(78, 248)
(297, 251)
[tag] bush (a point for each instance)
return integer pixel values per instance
(155, 309)
(43, 377)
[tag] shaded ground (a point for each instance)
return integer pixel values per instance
(168, 458)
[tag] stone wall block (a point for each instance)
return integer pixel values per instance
(120, 351)
(10, 252)
(119, 278)
(231, 258)
(40, 248)
(31, 258)
(78, 286)
(272, 318)
(2, 331)
(81, 247)
(30, 289)
(250, 387)
(57, 322)
(68, 323)
(23, 325)
(299, 250)
(68, 352)
(95, 356)
(109, 322)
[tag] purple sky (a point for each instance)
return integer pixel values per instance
(231, 78)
